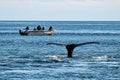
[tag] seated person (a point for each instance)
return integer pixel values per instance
(34, 29)
(27, 28)
(38, 27)
(43, 28)
(51, 28)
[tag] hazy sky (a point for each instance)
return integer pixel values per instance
(77, 10)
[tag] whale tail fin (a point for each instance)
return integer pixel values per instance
(86, 43)
(59, 44)
(71, 47)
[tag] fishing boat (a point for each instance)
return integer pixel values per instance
(37, 32)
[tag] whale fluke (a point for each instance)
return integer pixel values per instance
(59, 44)
(71, 47)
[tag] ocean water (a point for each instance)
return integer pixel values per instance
(29, 58)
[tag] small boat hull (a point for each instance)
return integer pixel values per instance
(35, 32)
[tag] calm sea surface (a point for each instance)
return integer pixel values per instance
(29, 58)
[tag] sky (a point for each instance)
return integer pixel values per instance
(60, 10)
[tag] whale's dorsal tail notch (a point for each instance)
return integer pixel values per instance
(71, 47)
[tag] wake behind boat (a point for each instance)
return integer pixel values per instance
(37, 31)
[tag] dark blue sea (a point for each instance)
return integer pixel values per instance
(29, 58)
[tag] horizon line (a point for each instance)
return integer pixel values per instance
(55, 20)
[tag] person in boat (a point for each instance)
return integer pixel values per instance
(38, 27)
(34, 29)
(51, 28)
(43, 28)
(27, 28)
